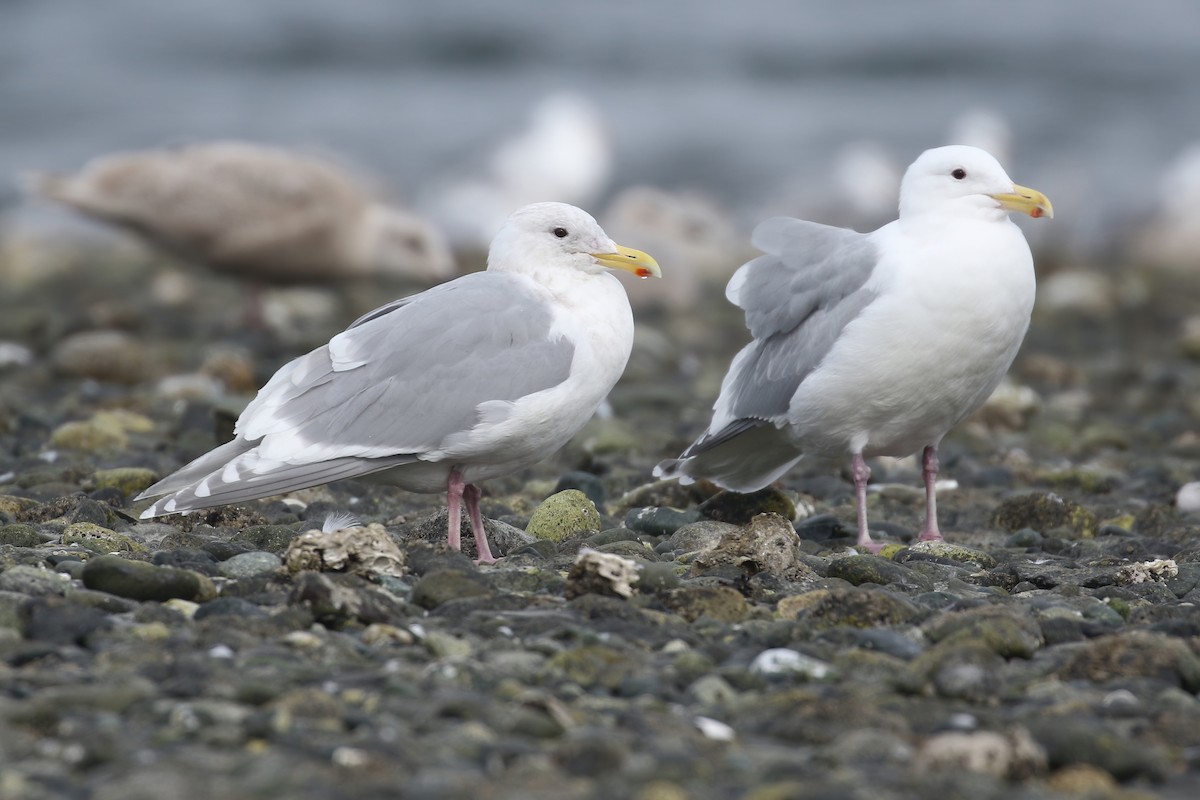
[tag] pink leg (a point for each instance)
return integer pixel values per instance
(454, 496)
(929, 471)
(471, 494)
(862, 474)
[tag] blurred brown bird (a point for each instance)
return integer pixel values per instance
(263, 213)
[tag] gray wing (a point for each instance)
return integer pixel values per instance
(403, 379)
(393, 386)
(798, 297)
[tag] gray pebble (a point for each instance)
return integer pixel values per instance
(246, 565)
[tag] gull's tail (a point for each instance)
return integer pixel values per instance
(743, 457)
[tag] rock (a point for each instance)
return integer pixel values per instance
(89, 511)
(1160, 569)
(268, 538)
(54, 620)
(659, 521)
(33, 581)
(16, 506)
(857, 608)
(719, 603)
(591, 665)
(336, 599)
(128, 481)
(138, 580)
(563, 514)
(247, 565)
(783, 661)
(1044, 512)
(657, 577)
(90, 436)
(949, 551)
(1012, 756)
(1005, 632)
(1187, 499)
(768, 544)
(228, 607)
(712, 691)
(1071, 740)
(860, 569)
(586, 482)
(99, 539)
(364, 551)
(1135, 654)
(601, 573)
(696, 537)
(503, 538)
(444, 585)
(20, 535)
(739, 509)
(102, 356)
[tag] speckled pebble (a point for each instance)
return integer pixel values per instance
(246, 565)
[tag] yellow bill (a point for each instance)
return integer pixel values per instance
(630, 260)
(1024, 200)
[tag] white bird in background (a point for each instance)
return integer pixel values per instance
(986, 129)
(878, 343)
(690, 234)
(470, 380)
(255, 211)
(564, 153)
(1171, 238)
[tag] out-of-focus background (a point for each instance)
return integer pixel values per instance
(765, 106)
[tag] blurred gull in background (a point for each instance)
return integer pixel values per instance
(258, 212)
(564, 155)
(689, 233)
(1171, 238)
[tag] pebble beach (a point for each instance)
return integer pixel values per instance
(638, 639)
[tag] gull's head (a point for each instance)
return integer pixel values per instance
(395, 242)
(966, 180)
(557, 234)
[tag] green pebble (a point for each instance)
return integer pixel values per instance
(563, 514)
(127, 480)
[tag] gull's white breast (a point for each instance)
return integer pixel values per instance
(953, 306)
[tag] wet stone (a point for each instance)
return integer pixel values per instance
(591, 485)
(53, 619)
(245, 565)
(738, 509)
(659, 521)
(269, 538)
(228, 607)
(441, 586)
(563, 514)
(719, 603)
(877, 570)
(20, 535)
(858, 608)
(767, 544)
(696, 537)
(33, 582)
(138, 580)
(1045, 512)
(948, 551)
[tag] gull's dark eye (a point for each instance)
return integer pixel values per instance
(958, 174)
(560, 233)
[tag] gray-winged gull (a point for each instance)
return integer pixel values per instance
(878, 343)
(255, 211)
(470, 380)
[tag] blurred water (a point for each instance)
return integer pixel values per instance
(745, 100)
